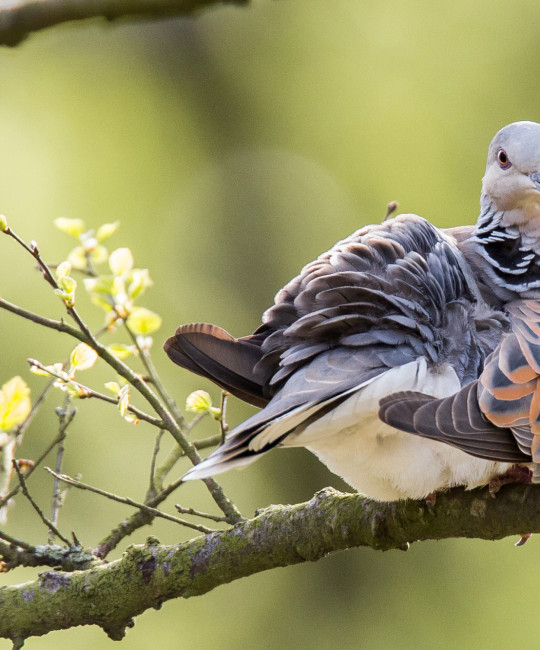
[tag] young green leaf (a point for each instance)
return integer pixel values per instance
(83, 357)
(142, 321)
(15, 403)
(121, 261)
(72, 227)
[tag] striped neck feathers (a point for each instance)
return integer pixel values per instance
(510, 248)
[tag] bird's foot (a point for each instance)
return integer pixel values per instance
(522, 539)
(431, 500)
(516, 474)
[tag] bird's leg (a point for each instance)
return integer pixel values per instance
(516, 474)
(431, 500)
(522, 539)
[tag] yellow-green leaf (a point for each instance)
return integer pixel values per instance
(198, 402)
(113, 386)
(77, 258)
(120, 350)
(47, 371)
(72, 227)
(63, 270)
(83, 357)
(99, 255)
(102, 302)
(15, 403)
(101, 284)
(67, 284)
(140, 281)
(106, 230)
(143, 321)
(121, 261)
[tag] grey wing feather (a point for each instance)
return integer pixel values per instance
(379, 299)
(314, 388)
(496, 416)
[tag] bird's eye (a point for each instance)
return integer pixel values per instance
(503, 160)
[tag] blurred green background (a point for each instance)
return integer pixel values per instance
(234, 148)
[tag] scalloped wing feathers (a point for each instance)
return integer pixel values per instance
(496, 416)
(382, 299)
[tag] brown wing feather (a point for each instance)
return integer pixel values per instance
(431, 418)
(495, 417)
(212, 352)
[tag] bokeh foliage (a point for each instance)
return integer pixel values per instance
(234, 148)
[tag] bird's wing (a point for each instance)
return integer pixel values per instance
(495, 417)
(380, 278)
(381, 299)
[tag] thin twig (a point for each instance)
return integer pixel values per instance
(58, 325)
(33, 249)
(86, 393)
(90, 268)
(65, 419)
(161, 472)
(152, 490)
(191, 425)
(32, 469)
(43, 518)
(154, 377)
(128, 501)
(198, 513)
(211, 441)
(170, 423)
(142, 517)
(177, 453)
(173, 486)
(36, 405)
(15, 541)
(223, 419)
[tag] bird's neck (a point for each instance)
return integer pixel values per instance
(510, 244)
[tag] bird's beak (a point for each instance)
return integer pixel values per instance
(535, 178)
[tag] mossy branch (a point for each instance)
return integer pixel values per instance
(20, 18)
(110, 595)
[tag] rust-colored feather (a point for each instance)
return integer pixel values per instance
(212, 352)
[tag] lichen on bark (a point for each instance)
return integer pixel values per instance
(111, 595)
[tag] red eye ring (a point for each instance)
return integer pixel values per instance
(503, 160)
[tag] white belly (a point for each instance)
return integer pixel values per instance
(384, 463)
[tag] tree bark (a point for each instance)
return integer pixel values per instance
(110, 595)
(19, 18)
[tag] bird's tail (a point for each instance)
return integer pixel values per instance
(211, 352)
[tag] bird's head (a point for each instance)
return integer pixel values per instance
(511, 184)
(507, 233)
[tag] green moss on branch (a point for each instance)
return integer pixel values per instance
(111, 595)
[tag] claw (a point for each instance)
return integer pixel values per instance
(431, 500)
(516, 474)
(522, 539)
